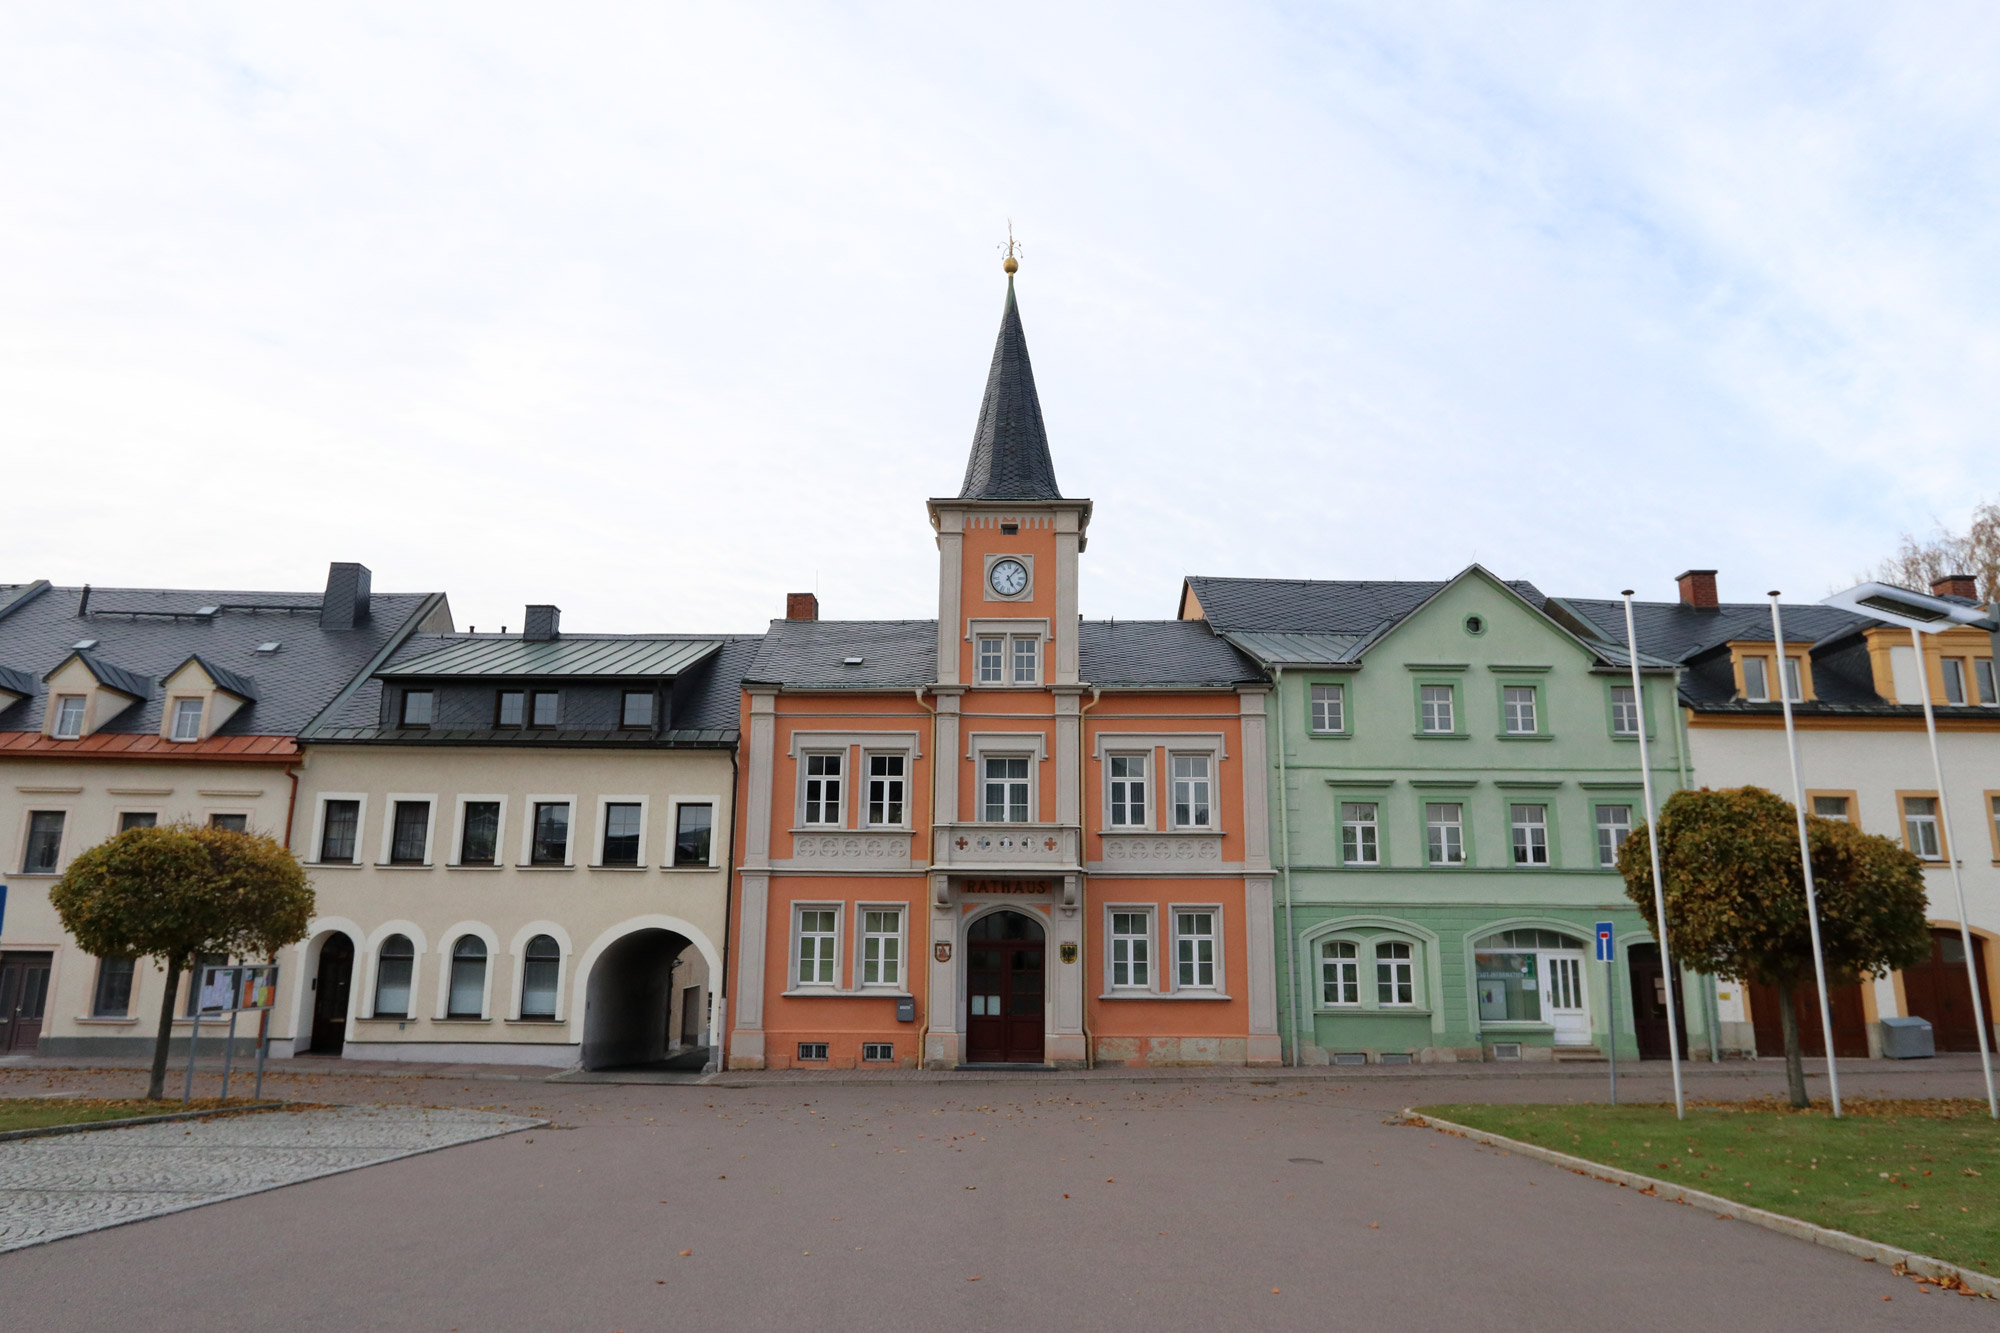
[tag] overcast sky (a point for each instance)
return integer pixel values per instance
(661, 312)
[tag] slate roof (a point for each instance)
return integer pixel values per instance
(146, 633)
(1322, 606)
(1010, 446)
(239, 685)
(1159, 653)
(107, 674)
(603, 657)
(807, 654)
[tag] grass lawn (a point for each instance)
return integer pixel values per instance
(1920, 1174)
(42, 1112)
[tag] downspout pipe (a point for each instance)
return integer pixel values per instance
(1285, 867)
(1083, 912)
(721, 1007)
(924, 1023)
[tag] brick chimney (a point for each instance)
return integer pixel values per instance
(344, 605)
(1956, 585)
(801, 606)
(1698, 589)
(542, 624)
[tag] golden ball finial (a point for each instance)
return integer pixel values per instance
(1010, 265)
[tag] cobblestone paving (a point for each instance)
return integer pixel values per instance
(70, 1184)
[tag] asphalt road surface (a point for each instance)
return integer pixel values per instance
(1204, 1204)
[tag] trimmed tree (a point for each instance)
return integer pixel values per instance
(1736, 897)
(176, 892)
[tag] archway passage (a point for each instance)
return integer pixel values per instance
(1939, 990)
(628, 1015)
(1004, 989)
(330, 987)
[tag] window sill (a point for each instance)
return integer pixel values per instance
(476, 865)
(1523, 736)
(389, 1018)
(832, 993)
(531, 865)
(456, 1020)
(599, 865)
(107, 1022)
(1379, 1011)
(1442, 735)
(333, 865)
(536, 1022)
(1515, 1025)
(700, 869)
(402, 865)
(1331, 735)
(1169, 995)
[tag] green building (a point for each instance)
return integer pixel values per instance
(1453, 774)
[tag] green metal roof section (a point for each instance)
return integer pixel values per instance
(1300, 648)
(579, 658)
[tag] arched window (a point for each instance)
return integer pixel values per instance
(468, 978)
(539, 970)
(393, 968)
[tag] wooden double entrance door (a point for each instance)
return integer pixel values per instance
(1850, 1022)
(1938, 989)
(24, 993)
(1005, 986)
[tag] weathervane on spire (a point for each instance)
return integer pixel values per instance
(1012, 247)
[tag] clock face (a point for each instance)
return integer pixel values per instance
(1008, 577)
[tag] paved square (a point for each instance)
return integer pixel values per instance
(72, 1183)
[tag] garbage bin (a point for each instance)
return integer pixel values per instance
(1907, 1038)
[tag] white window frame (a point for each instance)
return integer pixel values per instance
(1428, 710)
(446, 942)
(1027, 782)
(1795, 677)
(1983, 678)
(62, 841)
(844, 755)
(519, 955)
(374, 970)
(1519, 717)
(1517, 825)
(1759, 691)
(902, 780)
(1113, 938)
(429, 801)
(1624, 708)
(181, 713)
(499, 831)
(797, 956)
(1328, 705)
(62, 705)
(1114, 782)
(1024, 649)
(998, 666)
(1408, 965)
(604, 804)
(1913, 823)
(1952, 669)
(900, 935)
(1607, 858)
(1373, 823)
(1213, 911)
(1458, 824)
(528, 806)
(1009, 633)
(1846, 815)
(715, 831)
(319, 826)
(1346, 967)
(1207, 780)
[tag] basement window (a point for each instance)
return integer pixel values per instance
(812, 1050)
(876, 1051)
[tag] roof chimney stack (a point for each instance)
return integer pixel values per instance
(541, 625)
(1698, 589)
(801, 606)
(345, 604)
(1956, 585)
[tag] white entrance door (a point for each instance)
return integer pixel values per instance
(1563, 1000)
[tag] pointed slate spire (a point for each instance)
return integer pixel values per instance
(1010, 448)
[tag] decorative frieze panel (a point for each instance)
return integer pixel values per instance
(1138, 851)
(849, 849)
(1007, 846)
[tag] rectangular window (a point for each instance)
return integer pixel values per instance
(1830, 807)
(1026, 653)
(187, 719)
(1510, 989)
(1993, 808)
(812, 1050)
(1518, 703)
(481, 840)
(1920, 823)
(1006, 794)
(1128, 791)
(417, 707)
(1191, 791)
(638, 710)
(885, 790)
(1982, 672)
(881, 947)
(1340, 972)
(1360, 843)
(1329, 711)
(693, 828)
(550, 846)
(340, 821)
(69, 717)
(817, 937)
(1531, 834)
(547, 707)
(1444, 834)
(138, 819)
(1395, 975)
(621, 833)
(823, 789)
(1624, 711)
(992, 660)
(1131, 950)
(513, 709)
(1194, 949)
(409, 832)
(1954, 679)
(1614, 825)
(877, 1052)
(113, 998)
(1795, 689)
(1437, 709)
(234, 823)
(1756, 682)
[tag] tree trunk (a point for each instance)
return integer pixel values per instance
(1795, 1066)
(156, 1086)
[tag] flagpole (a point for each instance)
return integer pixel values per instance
(1805, 850)
(1653, 838)
(1957, 884)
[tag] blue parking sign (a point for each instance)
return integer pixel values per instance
(1604, 954)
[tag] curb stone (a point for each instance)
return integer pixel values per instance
(86, 1126)
(1901, 1260)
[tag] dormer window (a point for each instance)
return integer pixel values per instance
(638, 710)
(187, 719)
(1756, 680)
(417, 707)
(513, 708)
(69, 717)
(546, 702)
